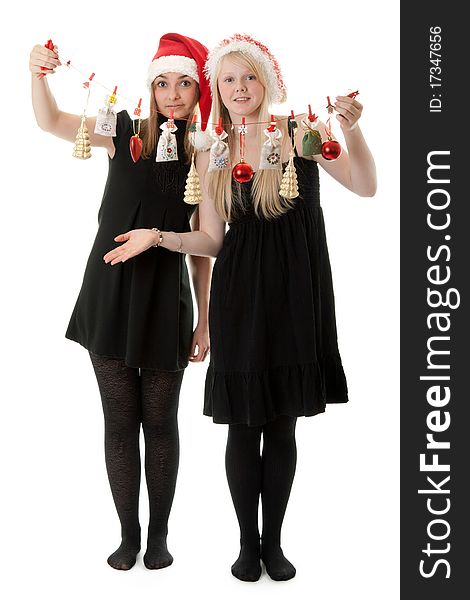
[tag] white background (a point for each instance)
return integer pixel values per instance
(341, 526)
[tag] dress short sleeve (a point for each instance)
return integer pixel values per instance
(123, 131)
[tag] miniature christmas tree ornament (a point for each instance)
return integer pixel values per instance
(82, 146)
(192, 192)
(289, 186)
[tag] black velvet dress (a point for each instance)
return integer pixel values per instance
(272, 317)
(141, 310)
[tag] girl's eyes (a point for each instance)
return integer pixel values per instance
(183, 83)
(248, 77)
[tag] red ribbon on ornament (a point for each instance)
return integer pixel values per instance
(328, 128)
(219, 127)
(242, 140)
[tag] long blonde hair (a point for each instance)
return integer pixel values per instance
(265, 190)
(150, 131)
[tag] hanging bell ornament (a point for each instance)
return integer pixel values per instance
(192, 192)
(242, 172)
(82, 146)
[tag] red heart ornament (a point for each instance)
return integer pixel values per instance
(331, 149)
(135, 147)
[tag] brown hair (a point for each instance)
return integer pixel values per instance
(150, 131)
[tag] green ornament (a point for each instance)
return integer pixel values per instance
(311, 143)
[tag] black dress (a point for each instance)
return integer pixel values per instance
(141, 310)
(272, 318)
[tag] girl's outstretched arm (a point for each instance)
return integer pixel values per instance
(355, 168)
(205, 242)
(48, 116)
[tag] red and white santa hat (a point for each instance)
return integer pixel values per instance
(240, 42)
(181, 54)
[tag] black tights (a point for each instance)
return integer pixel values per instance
(270, 474)
(130, 397)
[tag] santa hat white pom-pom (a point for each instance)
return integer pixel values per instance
(202, 140)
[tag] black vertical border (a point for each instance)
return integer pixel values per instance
(422, 132)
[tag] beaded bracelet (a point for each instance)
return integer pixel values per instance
(160, 237)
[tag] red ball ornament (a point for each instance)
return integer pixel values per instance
(135, 147)
(242, 172)
(331, 149)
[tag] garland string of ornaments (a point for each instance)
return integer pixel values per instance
(242, 172)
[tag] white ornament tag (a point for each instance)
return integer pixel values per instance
(106, 121)
(167, 148)
(271, 149)
(220, 154)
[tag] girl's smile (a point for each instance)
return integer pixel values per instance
(239, 89)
